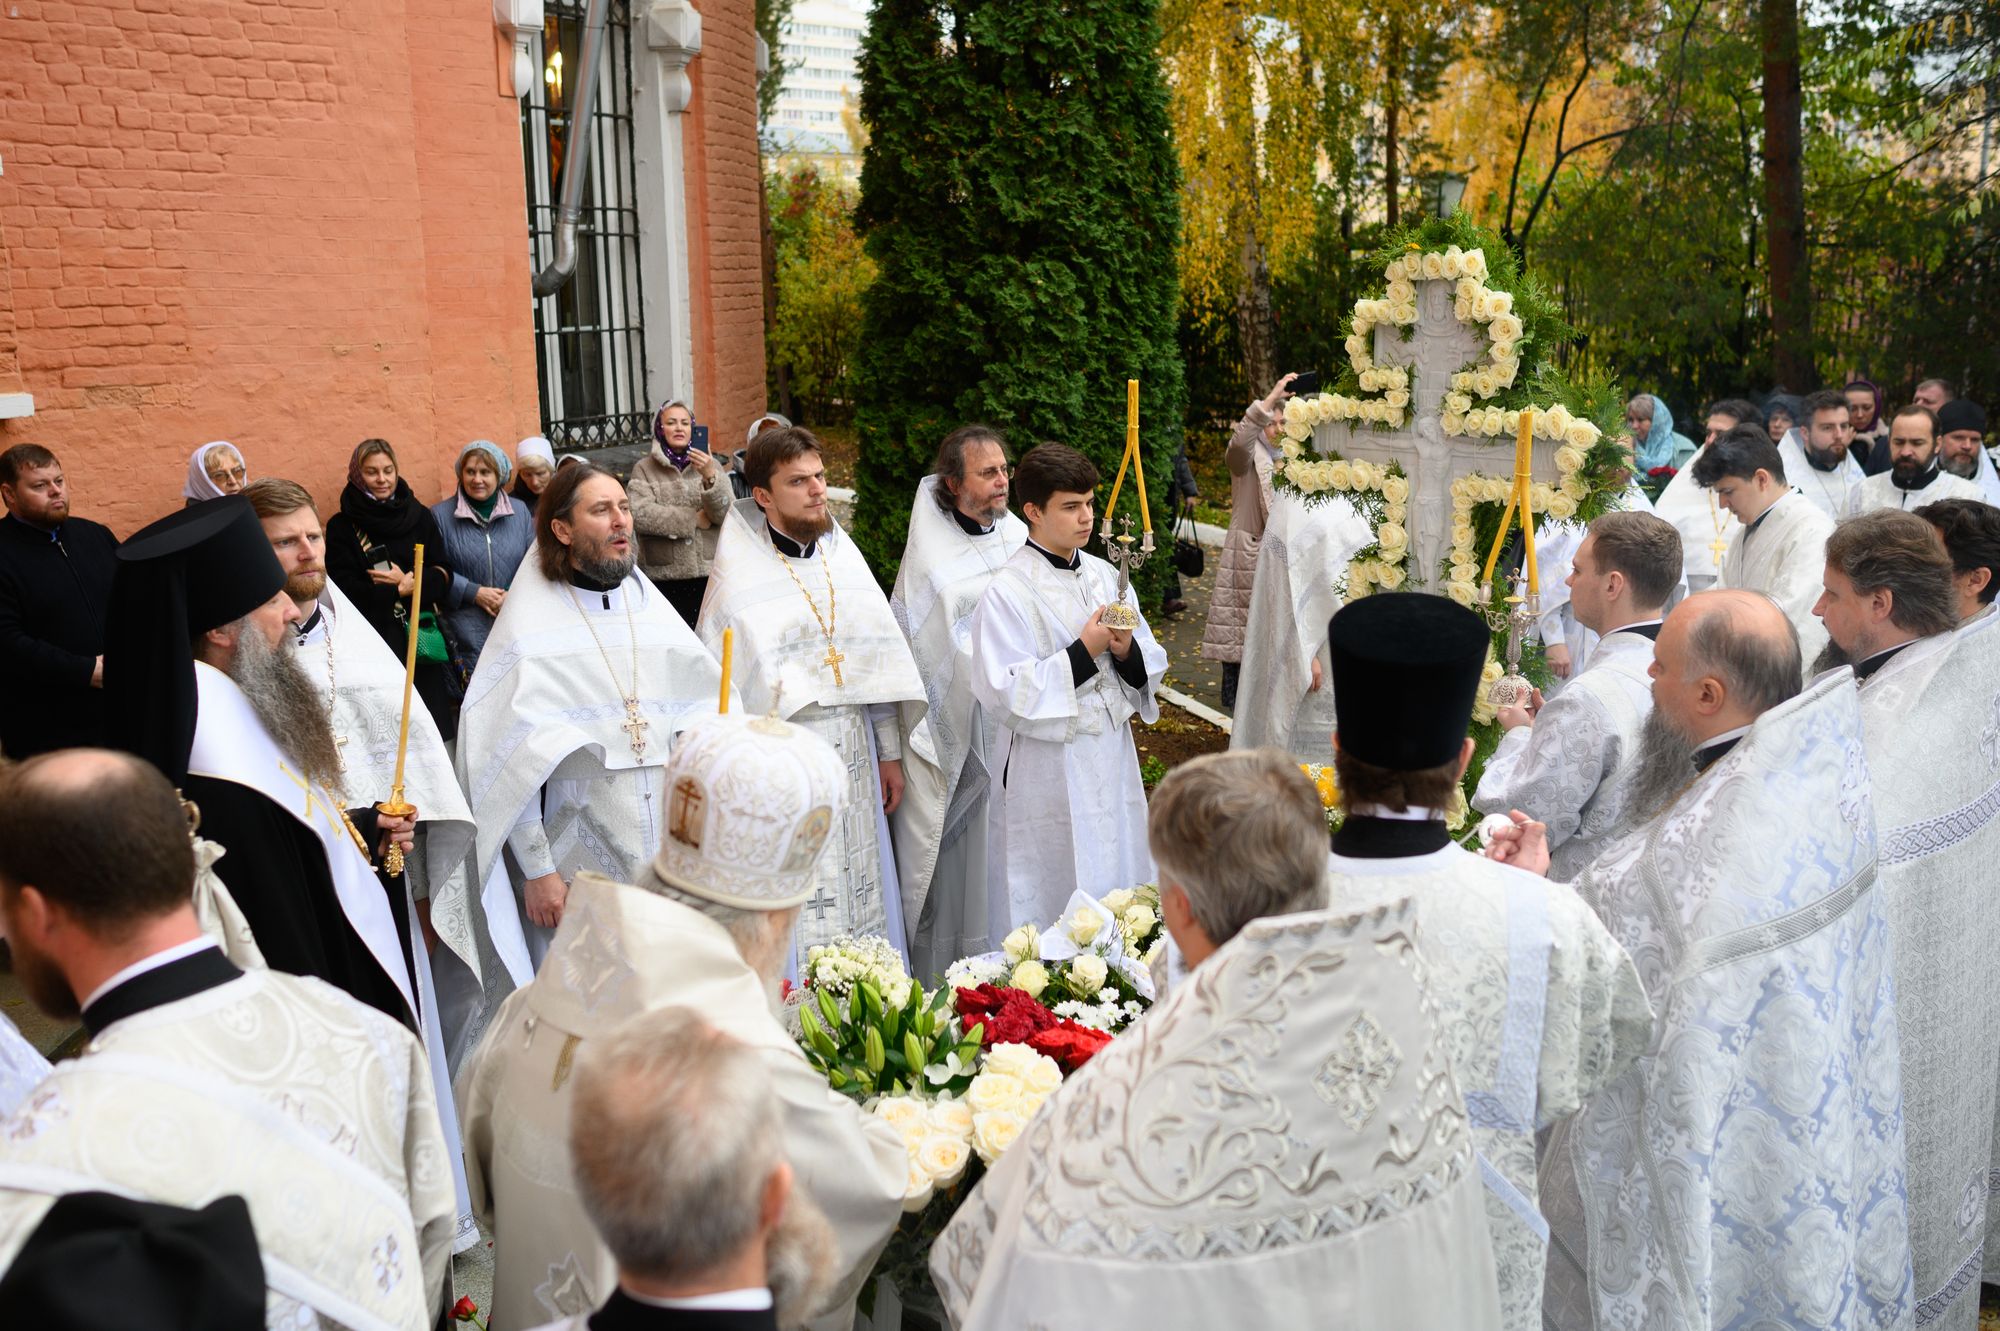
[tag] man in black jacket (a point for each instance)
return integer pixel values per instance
(55, 586)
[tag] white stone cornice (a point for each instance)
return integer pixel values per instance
(519, 22)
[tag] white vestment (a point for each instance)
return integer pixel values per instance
(22, 1067)
(1931, 719)
(1881, 491)
(362, 681)
(310, 1105)
(546, 741)
(621, 951)
(1571, 768)
(1783, 555)
(1748, 1171)
(781, 661)
(1539, 1007)
(1303, 554)
(1829, 491)
(940, 830)
(1556, 546)
(1068, 810)
(1987, 478)
(1280, 1143)
(1701, 522)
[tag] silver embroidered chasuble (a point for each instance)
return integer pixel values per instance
(1540, 1009)
(1302, 556)
(940, 830)
(1282, 1133)
(620, 951)
(313, 1107)
(1931, 719)
(860, 703)
(1068, 812)
(1881, 491)
(1784, 557)
(1570, 769)
(562, 776)
(1748, 1171)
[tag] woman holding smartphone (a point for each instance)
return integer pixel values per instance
(679, 499)
(370, 554)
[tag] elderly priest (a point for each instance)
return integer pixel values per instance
(708, 926)
(200, 1082)
(1282, 1133)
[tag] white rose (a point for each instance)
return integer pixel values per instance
(1397, 398)
(1021, 944)
(1454, 262)
(1511, 423)
(1576, 490)
(1475, 264)
(1392, 538)
(1458, 402)
(1357, 345)
(1297, 431)
(1119, 900)
(1505, 327)
(1089, 971)
(1031, 977)
(1497, 488)
(1340, 474)
(1452, 422)
(1139, 920)
(1461, 533)
(1462, 592)
(1462, 381)
(1561, 506)
(1568, 458)
(1084, 925)
(1468, 289)
(1559, 419)
(1504, 353)
(1390, 576)
(1433, 265)
(944, 1158)
(1504, 372)
(1392, 270)
(1581, 434)
(1464, 572)
(1539, 496)
(1295, 409)
(994, 1132)
(1041, 1079)
(994, 1089)
(1011, 1059)
(1483, 383)
(1405, 313)
(1392, 512)
(1396, 489)
(1357, 577)
(1401, 292)
(1503, 302)
(1493, 422)
(917, 1189)
(902, 1113)
(951, 1116)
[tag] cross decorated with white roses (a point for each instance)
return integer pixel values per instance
(1423, 412)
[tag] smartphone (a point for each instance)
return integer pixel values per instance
(1307, 382)
(699, 438)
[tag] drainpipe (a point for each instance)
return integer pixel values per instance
(583, 109)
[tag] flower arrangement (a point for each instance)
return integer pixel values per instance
(868, 1044)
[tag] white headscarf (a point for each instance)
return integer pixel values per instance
(198, 486)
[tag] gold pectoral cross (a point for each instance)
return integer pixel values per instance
(833, 658)
(1718, 545)
(635, 727)
(314, 806)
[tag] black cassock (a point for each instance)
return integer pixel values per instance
(276, 870)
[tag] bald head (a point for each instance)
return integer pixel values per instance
(1723, 659)
(100, 835)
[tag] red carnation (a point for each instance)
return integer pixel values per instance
(1069, 1044)
(1010, 1015)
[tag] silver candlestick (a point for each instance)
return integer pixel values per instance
(1522, 609)
(1121, 614)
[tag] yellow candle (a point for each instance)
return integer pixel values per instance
(409, 667)
(1499, 541)
(1118, 484)
(1524, 470)
(728, 649)
(1132, 447)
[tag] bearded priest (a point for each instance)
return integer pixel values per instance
(815, 642)
(585, 678)
(707, 927)
(200, 1081)
(198, 682)
(960, 535)
(1748, 1170)
(1281, 1133)
(1541, 1007)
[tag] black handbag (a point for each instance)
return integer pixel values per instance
(1189, 557)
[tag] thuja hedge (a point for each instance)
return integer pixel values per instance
(1019, 195)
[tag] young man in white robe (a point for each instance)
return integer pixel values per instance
(1749, 1169)
(1931, 730)
(1566, 762)
(1779, 546)
(1540, 1007)
(1971, 535)
(585, 679)
(707, 927)
(1281, 694)
(1704, 525)
(1916, 475)
(1068, 809)
(1818, 462)
(1568, 644)
(960, 535)
(201, 1081)
(814, 641)
(1282, 1133)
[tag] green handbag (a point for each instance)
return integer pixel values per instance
(431, 646)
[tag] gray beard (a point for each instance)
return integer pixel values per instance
(986, 517)
(1831, 657)
(799, 1260)
(607, 569)
(1967, 470)
(287, 703)
(1665, 765)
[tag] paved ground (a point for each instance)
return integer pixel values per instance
(1181, 636)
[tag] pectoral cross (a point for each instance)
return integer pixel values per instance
(833, 658)
(1718, 545)
(635, 727)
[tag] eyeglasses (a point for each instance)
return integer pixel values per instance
(237, 474)
(993, 473)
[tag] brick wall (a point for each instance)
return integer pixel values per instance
(725, 259)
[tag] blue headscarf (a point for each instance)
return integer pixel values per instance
(494, 454)
(1658, 448)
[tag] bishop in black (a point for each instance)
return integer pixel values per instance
(210, 567)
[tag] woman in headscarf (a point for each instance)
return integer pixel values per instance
(1654, 443)
(1781, 415)
(679, 499)
(370, 552)
(1864, 413)
(215, 470)
(534, 466)
(484, 536)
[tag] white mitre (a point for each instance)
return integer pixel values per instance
(750, 807)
